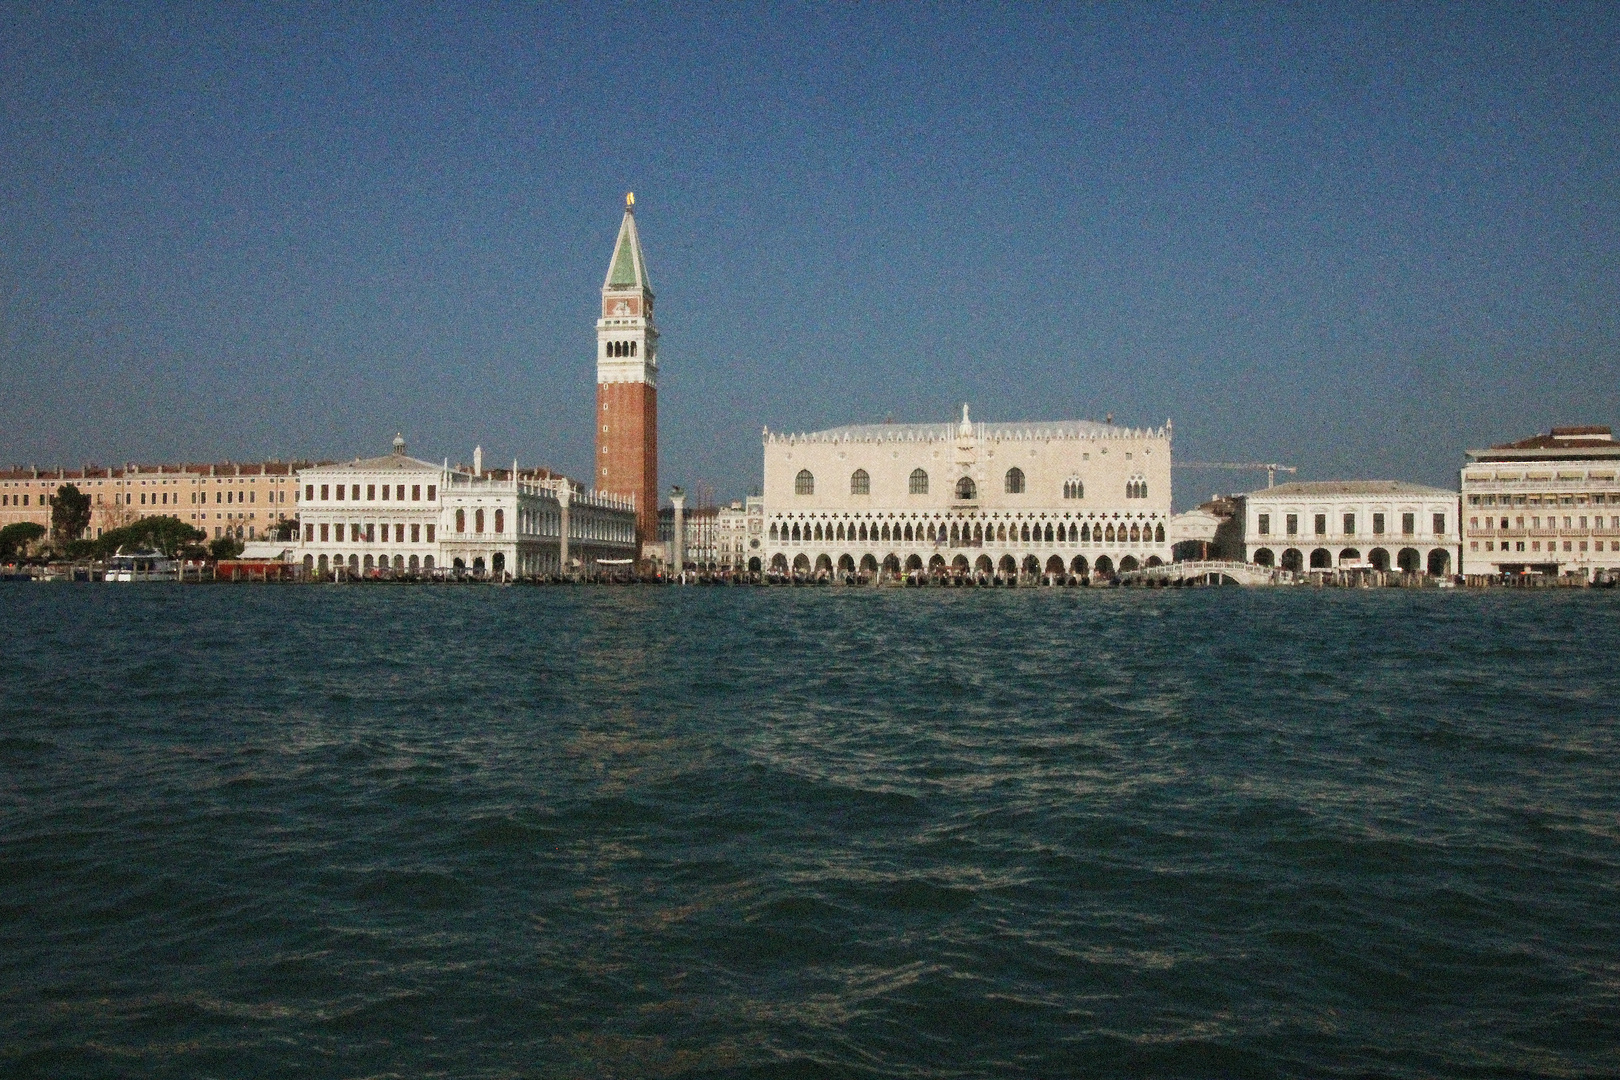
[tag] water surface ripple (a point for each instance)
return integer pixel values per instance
(472, 832)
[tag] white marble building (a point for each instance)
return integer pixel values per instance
(1549, 504)
(998, 499)
(1382, 524)
(411, 516)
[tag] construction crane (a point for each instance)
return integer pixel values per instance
(1271, 467)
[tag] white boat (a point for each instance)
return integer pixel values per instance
(142, 566)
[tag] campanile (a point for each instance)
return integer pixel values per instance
(627, 381)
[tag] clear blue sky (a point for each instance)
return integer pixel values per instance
(1359, 240)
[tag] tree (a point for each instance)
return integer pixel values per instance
(284, 530)
(70, 513)
(167, 534)
(15, 538)
(225, 547)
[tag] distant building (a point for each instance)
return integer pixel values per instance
(1383, 524)
(1549, 504)
(406, 515)
(1196, 534)
(244, 500)
(718, 538)
(1023, 498)
(740, 534)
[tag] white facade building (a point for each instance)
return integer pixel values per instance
(1382, 524)
(739, 530)
(1008, 500)
(1548, 504)
(409, 516)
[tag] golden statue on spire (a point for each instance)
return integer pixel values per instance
(630, 201)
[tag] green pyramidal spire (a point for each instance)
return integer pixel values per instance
(628, 270)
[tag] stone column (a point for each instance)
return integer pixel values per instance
(564, 493)
(678, 540)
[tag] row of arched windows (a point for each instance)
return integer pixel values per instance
(860, 483)
(478, 521)
(1136, 489)
(621, 348)
(960, 535)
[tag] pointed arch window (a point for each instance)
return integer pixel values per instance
(860, 482)
(804, 483)
(966, 489)
(919, 482)
(1015, 481)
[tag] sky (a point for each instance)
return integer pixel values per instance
(1357, 239)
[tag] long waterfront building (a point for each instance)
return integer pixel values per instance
(1549, 504)
(1331, 524)
(413, 516)
(1008, 499)
(243, 500)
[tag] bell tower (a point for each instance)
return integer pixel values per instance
(627, 381)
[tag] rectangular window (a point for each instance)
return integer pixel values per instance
(356, 492)
(253, 496)
(399, 532)
(309, 492)
(1265, 525)
(309, 534)
(1473, 545)
(1535, 545)
(431, 489)
(416, 534)
(1349, 524)
(416, 493)
(1583, 523)
(1566, 546)
(1409, 524)
(431, 529)
(1293, 524)
(371, 533)
(371, 493)
(341, 490)
(326, 492)
(323, 532)
(338, 530)
(1321, 524)
(399, 493)
(1378, 524)
(1439, 524)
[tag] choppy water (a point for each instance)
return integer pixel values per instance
(359, 832)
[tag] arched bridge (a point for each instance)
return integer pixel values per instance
(1208, 572)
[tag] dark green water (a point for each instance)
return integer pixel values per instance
(365, 832)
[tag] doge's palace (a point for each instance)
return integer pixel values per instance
(997, 499)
